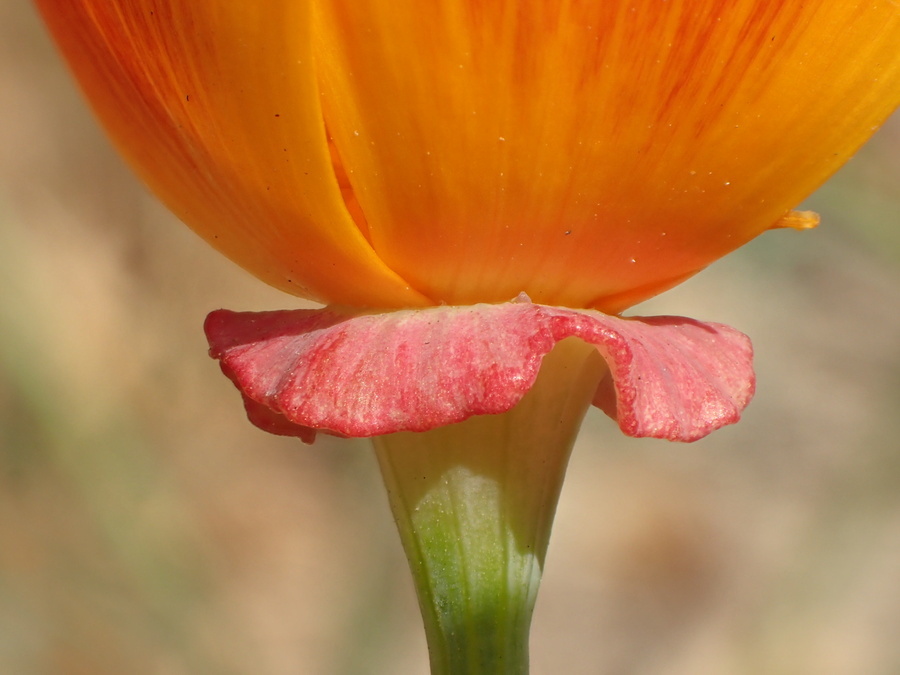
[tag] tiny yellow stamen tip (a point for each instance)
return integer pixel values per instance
(798, 220)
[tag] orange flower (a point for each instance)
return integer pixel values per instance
(399, 153)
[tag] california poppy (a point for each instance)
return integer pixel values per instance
(414, 165)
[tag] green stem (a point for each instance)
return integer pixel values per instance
(474, 504)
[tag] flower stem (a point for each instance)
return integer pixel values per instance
(474, 504)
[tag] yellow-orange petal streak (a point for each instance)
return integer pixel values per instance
(216, 105)
(798, 220)
(592, 153)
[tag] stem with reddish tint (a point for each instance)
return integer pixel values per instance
(474, 503)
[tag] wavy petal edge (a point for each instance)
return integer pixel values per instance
(360, 374)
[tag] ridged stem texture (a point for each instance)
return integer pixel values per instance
(474, 503)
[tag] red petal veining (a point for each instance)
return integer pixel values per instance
(303, 371)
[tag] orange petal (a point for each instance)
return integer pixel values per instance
(216, 106)
(592, 153)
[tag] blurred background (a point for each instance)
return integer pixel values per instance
(146, 527)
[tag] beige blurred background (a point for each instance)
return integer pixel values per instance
(146, 527)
